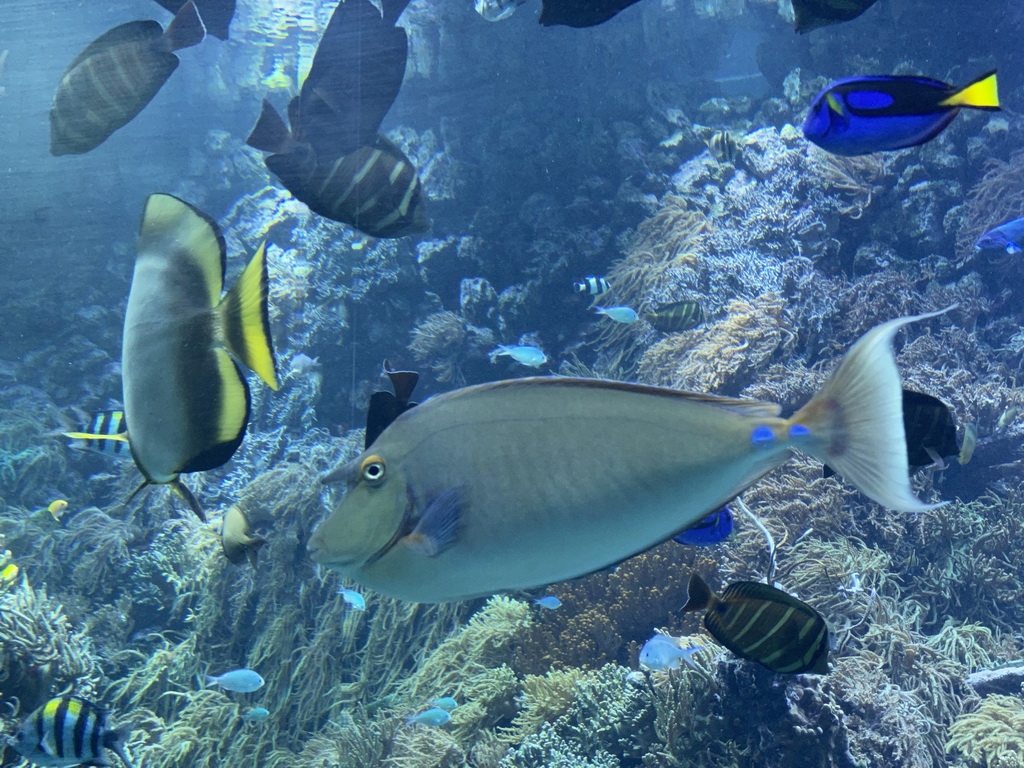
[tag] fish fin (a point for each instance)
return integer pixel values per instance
(122, 437)
(977, 94)
(252, 548)
(182, 491)
(1013, 248)
(438, 527)
(937, 461)
(827, 471)
(855, 422)
(186, 28)
(246, 320)
(172, 225)
(270, 134)
(699, 596)
(230, 412)
(114, 739)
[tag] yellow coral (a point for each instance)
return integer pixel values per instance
(992, 736)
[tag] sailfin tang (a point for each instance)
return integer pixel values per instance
(246, 320)
(978, 94)
(186, 29)
(855, 422)
(438, 528)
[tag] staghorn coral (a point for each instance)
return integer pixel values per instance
(991, 736)
(544, 698)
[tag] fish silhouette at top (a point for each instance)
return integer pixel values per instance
(115, 77)
(217, 14)
(333, 157)
(812, 14)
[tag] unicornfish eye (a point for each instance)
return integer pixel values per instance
(373, 469)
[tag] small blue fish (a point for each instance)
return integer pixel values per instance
(433, 716)
(521, 353)
(447, 703)
(660, 653)
(550, 602)
(237, 680)
(353, 598)
(860, 115)
(713, 529)
(1008, 236)
(619, 314)
(256, 715)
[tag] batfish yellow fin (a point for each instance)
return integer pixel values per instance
(233, 407)
(246, 321)
(855, 422)
(123, 437)
(172, 225)
(979, 94)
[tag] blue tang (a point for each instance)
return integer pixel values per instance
(713, 529)
(1008, 236)
(860, 115)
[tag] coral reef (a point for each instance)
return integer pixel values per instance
(992, 736)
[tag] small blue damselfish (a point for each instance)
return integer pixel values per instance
(713, 529)
(860, 115)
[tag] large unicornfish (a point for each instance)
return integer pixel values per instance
(115, 77)
(516, 484)
(185, 398)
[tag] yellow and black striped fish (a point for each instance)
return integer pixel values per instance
(68, 730)
(677, 316)
(101, 435)
(725, 147)
(763, 624)
(115, 77)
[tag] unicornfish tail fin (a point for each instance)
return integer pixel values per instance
(977, 94)
(245, 319)
(855, 422)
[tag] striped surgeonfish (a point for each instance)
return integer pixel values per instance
(68, 730)
(216, 14)
(466, 494)
(184, 396)
(115, 77)
(763, 624)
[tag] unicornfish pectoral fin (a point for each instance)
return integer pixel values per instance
(245, 319)
(977, 94)
(438, 527)
(855, 422)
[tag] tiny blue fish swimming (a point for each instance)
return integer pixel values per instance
(256, 715)
(860, 115)
(447, 703)
(1008, 236)
(619, 314)
(433, 716)
(237, 680)
(661, 653)
(550, 602)
(353, 598)
(713, 529)
(521, 353)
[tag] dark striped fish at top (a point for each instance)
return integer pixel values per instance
(68, 730)
(217, 14)
(184, 395)
(764, 624)
(677, 316)
(115, 77)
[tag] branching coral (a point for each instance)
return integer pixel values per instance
(998, 197)
(992, 736)
(444, 341)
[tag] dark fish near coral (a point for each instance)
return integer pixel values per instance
(1008, 236)
(811, 14)
(106, 433)
(713, 529)
(592, 286)
(580, 13)
(861, 115)
(184, 396)
(216, 14)
(763, 624)
(676, 317)
(386, 406)
(724, 147)
(929, 429)
(466, 494)
(117, 75)
(236, 537)
(68, 730)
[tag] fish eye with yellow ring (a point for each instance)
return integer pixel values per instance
(373, 469)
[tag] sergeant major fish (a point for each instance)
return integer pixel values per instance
(68, 730)
(115, 77)
(467, 494)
